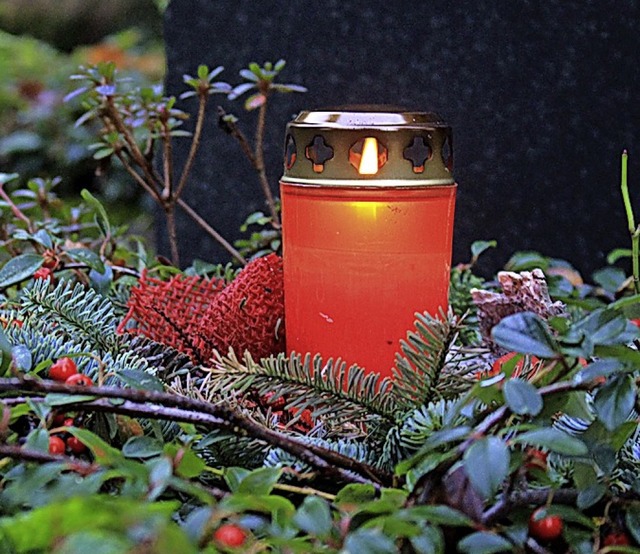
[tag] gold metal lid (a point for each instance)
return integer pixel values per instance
(335, 147)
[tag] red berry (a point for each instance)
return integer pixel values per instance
(80, 380)
(545, 528)
(619, 538)
(230, 535)
(68, 422)
(56, 445)
(536, 459)
(75, 445)
(50, 260)
(58, 419)
(517, 371)
(63, 369)
(43, 273)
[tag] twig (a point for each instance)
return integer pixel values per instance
(195, 144)
(331, 463)
(260, 166)
(170, 215)
(137, 178)
(256, 158)
(526, 497)
(633, 230)
(28, 455)
(167, 162)
(16, 211)
(111, 112)
(211, 231)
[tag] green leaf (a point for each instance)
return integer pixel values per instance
(480, 246)
(590, 496)
(442, 515)
(88, 257)
(260, 481)
(5, 346)
(101, 281)
(142, 447)
(429, 541)
(603, 327)
(240, 90)
(444, 436)
(486, 464)
(191, 465)
(8, 177)
(103, 452)
(159, 476)
(526, 333)
(101, 217)
(522, 397)
(203, 72)
(140, 380)
(94, 541)
(553, 439)
(249, 75)
(371, 541)
(234, 476)
(355, 493)
(610, 278)
(484, 542)
(38, 439)
(615, 400)
(618, 254)
(42, 237)
(276, 505)
(314, 517)
(61, 399)
(103, 153)
(599, 368)
(525, 261)
(19, 269)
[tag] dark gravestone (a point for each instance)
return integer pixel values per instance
(542, 98)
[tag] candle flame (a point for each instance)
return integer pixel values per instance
(369, 160)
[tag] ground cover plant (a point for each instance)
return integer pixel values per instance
(146, 408)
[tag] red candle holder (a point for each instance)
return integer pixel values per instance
(368, 202)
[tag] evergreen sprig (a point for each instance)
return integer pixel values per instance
(328, 389)
(420, 375)
(70, 308)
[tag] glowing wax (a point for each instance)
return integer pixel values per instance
(359, 263)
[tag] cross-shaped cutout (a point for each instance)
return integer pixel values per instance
(290, 152)
(418, 152)
(318, 152)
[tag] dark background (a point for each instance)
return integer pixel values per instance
(542, 98)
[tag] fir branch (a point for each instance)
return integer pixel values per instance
(419, 424)
(72, 308)
(277, 457)
(419, 374)
(326, 389)
(225, 449)
(167, 362)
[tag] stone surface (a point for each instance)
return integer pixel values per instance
(542, 97)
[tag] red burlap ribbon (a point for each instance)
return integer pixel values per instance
(197, 315)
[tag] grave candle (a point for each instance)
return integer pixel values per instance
(367, 204)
